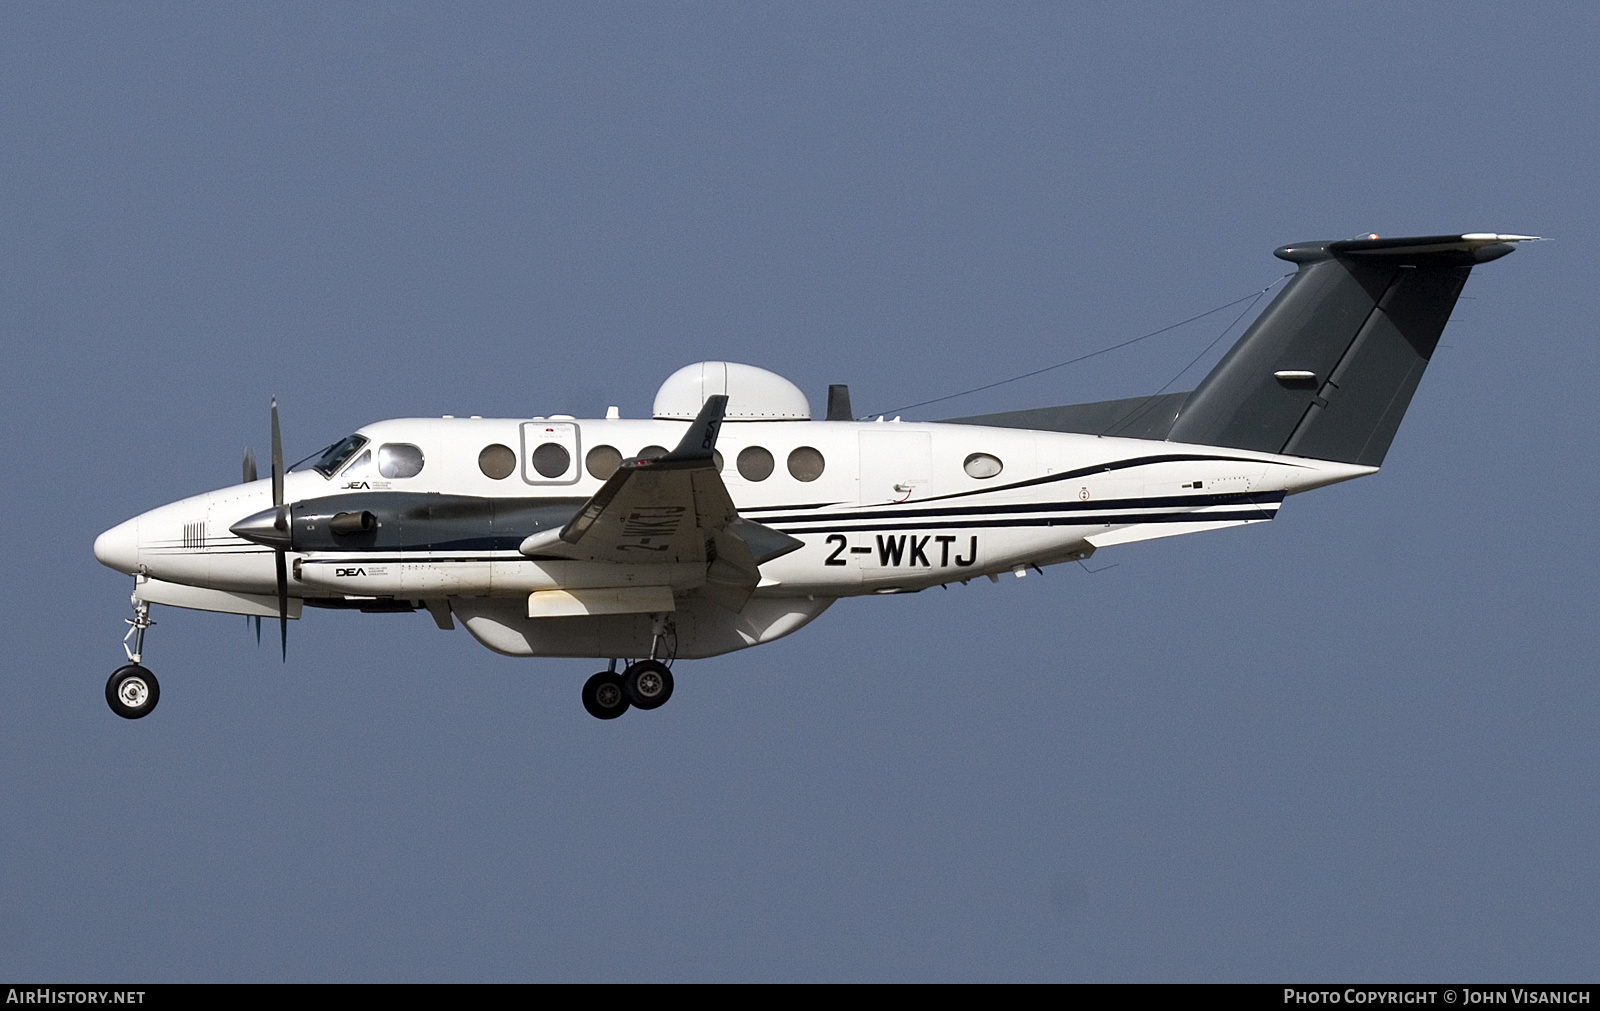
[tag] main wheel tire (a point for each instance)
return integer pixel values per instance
(604, 697)
(648, 684)
(132, 691)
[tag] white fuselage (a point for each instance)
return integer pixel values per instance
(896, 508)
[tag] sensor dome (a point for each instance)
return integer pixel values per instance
(753, 394)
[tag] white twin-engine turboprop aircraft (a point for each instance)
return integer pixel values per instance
(732, 518)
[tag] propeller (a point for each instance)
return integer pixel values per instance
(272, 528)
(250, 478)
(281, 522)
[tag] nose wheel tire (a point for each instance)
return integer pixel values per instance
(648, 684)
(604, 697)
(132, 692)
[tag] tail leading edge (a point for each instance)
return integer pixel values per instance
(1326, 371)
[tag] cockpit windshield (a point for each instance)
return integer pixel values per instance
(332, 458)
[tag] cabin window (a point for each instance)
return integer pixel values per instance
(755, 463)
(399, 459)
(497, 461)
(652, 452)
(716, 459)
(334, 457)
(806, 464)
(982, 465)
(603, 461)
(551, 460)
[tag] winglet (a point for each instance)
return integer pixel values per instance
(701, 438)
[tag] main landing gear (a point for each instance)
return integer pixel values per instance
(132, 691)
(644, 685)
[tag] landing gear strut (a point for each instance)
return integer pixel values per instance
(132, 691)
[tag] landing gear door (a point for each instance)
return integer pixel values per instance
(550, 452)
(895, 466)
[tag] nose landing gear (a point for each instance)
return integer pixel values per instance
(132, 691)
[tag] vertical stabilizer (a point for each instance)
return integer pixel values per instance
(1328, 370)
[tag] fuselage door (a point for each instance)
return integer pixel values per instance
(895, 466)
(550, 452)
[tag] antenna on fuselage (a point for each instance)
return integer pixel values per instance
(839, 403)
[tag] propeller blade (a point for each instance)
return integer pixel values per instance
(283, 602)
(282, 523)
(258, 631)
(277, 457)
(249, 466)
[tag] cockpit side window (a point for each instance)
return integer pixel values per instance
(332, 458)
(361, 466)
(399, 459)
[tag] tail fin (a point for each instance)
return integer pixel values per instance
(1328, 370)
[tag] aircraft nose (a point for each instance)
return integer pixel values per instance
(118, 548)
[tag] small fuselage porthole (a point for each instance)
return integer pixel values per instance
(551, 459)
(755, 463)
(497, 461)
(603, 461)
(982, 465)
(806, 464)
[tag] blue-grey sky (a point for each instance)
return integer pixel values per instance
(1356, 743)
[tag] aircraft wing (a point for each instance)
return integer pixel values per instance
(671, 510)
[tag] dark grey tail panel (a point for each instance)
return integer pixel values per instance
(1355, 414)
(1307, 328)
(1328, 370)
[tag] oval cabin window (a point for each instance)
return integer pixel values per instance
(755, 463)
(497, 461)
(652, 452)
(602, 461)
(551, 460)
(806, 464)
(399, 459)
(982, 465)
